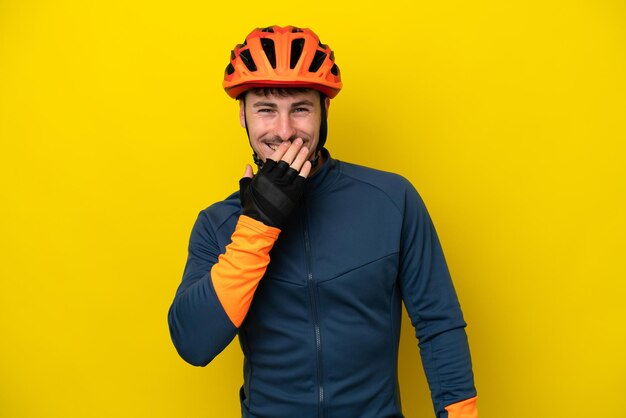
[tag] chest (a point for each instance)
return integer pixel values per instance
(335, 234)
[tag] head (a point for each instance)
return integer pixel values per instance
(274, 115)
(290, 72)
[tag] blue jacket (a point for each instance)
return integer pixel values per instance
(321, 336)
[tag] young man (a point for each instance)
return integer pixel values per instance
(309, 263)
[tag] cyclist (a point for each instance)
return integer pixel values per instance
(310, 261)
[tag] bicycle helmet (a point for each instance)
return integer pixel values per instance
(278, 56)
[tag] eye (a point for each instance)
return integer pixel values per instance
(301, 109)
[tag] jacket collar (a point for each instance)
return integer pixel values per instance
(325, 176)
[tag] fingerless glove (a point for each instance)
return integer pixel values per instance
(272, 194)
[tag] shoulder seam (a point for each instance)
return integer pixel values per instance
(203, 212)
(371, 185)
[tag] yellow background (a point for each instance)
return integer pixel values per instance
(507, 116)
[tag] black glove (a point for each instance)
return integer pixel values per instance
(272, 194)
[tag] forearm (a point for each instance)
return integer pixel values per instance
(236, 275)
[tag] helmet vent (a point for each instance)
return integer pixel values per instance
(230, 69)
(296, 30)
(335, 70)
(297, 45)
(246, 57)
(270, 50)
(232, 55)
(317, 62)
(268, 29)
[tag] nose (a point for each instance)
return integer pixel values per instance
(285, 128)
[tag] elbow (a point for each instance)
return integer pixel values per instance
(186, 343)
(193, 357)
(200, 329)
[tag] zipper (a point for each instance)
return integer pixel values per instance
(316, 326)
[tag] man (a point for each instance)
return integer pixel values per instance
(309, 263)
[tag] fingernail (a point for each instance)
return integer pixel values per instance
(298, 141)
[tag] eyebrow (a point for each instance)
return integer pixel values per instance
(264, 104)
(302, 103)
(274, 105)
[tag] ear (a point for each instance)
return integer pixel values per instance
(327, 104)
(242, 113)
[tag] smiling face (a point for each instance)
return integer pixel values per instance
(272, 119)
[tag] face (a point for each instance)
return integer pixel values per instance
(273, 119)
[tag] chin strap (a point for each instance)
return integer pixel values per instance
(257, 160)
(322, 137)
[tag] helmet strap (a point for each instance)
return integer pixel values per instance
(257, 160)
(323, 123)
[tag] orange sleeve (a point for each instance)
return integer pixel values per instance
(238, 271)
(463, 409)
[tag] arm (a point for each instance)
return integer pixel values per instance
(217, 289)
(433, 306)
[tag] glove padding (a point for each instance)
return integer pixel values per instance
(272, 194)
